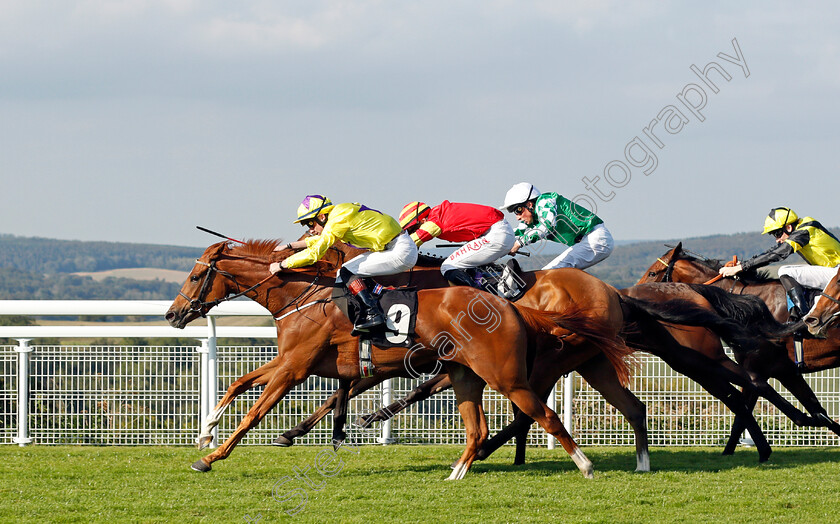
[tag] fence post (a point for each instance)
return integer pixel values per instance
(568, 401)
(23, 350)
(552, 403)
(386, 401)
(212, 372)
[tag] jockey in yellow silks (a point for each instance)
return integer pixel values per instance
(814, 243)
(391, 250)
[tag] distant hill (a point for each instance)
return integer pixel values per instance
(49, 256)
(629, 261)
(42, 268)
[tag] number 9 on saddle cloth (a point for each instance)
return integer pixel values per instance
(399, 305)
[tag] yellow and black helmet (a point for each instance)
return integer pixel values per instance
(412, 213)
(778, 218)
(312, 206)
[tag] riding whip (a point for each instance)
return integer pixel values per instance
(218, 234)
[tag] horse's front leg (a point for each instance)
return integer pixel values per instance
(280, 382)
(257, 377)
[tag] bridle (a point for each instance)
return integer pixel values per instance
(201, 306)
(669, 269)
(836, 314)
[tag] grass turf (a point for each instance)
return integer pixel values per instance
(406, 484)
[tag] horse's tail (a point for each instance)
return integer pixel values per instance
(748, 311)
(683, 312)
(573, 321)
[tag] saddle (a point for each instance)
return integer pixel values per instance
(502, 280)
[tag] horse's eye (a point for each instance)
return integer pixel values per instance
(652, 274)
(194, 278)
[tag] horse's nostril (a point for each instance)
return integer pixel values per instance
(810, 320)
(169, 315)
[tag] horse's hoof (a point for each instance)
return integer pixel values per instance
(200, 466)
(337, 443)
(203, 442)
(282, 441)
(762, 457)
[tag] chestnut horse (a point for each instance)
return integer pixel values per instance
(826, 311)
(773, 359)
(668, 343)
(317, 341)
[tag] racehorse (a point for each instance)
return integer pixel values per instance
(669, 344)
(772, 359)
(319, 341)
(826, 310)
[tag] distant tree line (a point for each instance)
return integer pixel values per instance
(36, 268)
(48, 256)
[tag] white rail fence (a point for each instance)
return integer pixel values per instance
(148, 394)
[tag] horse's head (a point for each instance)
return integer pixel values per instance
(826, 311)
(223, 273)
(661, 270)
(201, 289)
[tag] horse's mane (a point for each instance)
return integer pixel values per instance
(255, 248)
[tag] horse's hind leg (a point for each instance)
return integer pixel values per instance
(600, 374)
(255, 378)
(433, 386)
(468, 392)
(356, 387)
(531, 405)
(750, 399)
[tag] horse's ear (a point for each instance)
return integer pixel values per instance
(214, 250)
(678, 249)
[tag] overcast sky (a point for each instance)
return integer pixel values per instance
(138, 120)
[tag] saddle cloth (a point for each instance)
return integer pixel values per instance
(400, 307)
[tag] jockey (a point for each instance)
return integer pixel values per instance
(487, 234)
(550, 216)
(814, 243)
(391, 250)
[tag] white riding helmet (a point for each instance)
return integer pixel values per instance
(519, 194)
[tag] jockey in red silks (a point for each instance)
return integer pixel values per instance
(391, 250)
(486, 234)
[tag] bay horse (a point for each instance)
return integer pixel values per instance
(318, 341)
(667, 342)
(826, 310)
(774, 359)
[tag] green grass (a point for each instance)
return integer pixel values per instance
(406, 484)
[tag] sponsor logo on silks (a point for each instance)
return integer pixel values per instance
(475, 245)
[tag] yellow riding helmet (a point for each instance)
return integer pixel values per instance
(312, 206)
(778, 218)
(412, 213)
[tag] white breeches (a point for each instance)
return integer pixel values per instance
(593, 248)
(400, 254)
(496, 243)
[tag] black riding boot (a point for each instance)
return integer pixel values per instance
(460, 277)
(796, 293)
(372, 314)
